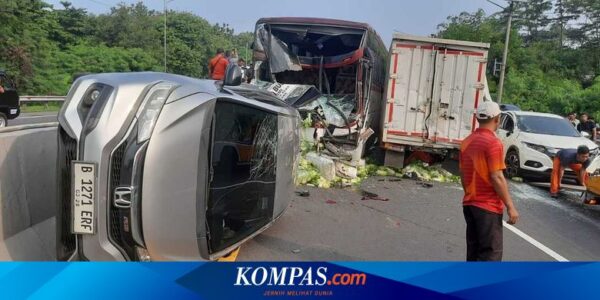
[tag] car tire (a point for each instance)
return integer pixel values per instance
(3, 120)
(513, 164)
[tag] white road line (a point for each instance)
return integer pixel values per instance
(534, 242)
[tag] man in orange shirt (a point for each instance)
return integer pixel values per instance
(218, 65)
(576, 159)
(486, 190)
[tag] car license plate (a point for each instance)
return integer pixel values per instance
(84, 196)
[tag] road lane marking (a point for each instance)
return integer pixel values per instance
(534, 242)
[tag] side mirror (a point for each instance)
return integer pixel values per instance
(509, 132)
(233, 75)
(585, 134)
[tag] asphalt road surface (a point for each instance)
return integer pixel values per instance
(421, 224)
(33, 118)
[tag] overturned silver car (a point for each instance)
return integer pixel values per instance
(156, 166)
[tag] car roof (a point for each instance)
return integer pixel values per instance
(532, 113)
(244, 93)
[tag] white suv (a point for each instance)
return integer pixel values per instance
(531, 140)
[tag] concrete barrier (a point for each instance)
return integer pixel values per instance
(28, 192)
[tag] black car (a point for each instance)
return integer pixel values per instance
(9, 99)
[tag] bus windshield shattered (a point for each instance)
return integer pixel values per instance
(331, 71)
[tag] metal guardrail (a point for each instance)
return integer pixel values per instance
(28, 126)
(41, 99)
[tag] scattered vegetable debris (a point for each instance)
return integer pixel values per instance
(308, 174)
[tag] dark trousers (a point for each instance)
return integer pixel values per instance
(484, 234)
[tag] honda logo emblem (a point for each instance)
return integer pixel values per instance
(122, 197)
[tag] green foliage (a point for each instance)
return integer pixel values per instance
(44, 47)
(553, 63)
(36, 108)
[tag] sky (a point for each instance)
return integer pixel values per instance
(418, 17)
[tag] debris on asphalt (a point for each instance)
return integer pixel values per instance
(303, 193)
(330, 202)
(425, 184)
(308, 174)
(372, 196)
(517, 179)
(296, 251)
(325, 172)
(325, 165)
(345, 171)
(425, 172)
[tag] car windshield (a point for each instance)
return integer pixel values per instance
(547, 125)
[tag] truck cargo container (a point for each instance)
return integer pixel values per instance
(433, 87)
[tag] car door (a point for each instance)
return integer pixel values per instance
(508, 131)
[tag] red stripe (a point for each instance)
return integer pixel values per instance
(467, 53)
(447, 140)
(358, 54)
(359, 70)
(404, 133)
(479, 73)
(397, 132)
(428, 47)
(390, 114)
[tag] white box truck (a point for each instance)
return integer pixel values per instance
(433, 87)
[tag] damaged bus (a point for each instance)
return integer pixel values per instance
(332, 71)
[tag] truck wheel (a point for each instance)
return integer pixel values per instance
(513, 164)
(2, 120)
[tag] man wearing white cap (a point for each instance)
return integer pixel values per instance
(486, 190)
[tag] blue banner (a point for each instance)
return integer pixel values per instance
(351, 280)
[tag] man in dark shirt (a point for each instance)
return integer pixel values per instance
(578, 160)
(588, 126)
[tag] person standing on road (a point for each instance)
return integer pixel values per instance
(218, 65)
(233, 56)
(486, 190)
(572, 117)
(587, 125)
(578, 160)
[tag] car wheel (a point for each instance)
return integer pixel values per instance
(513, 164)
(2, 120)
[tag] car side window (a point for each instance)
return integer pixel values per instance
(509, 124)
(243, 163)
(502, 120)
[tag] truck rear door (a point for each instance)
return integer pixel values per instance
(409, 93)
(458, 88)
(432, 93)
